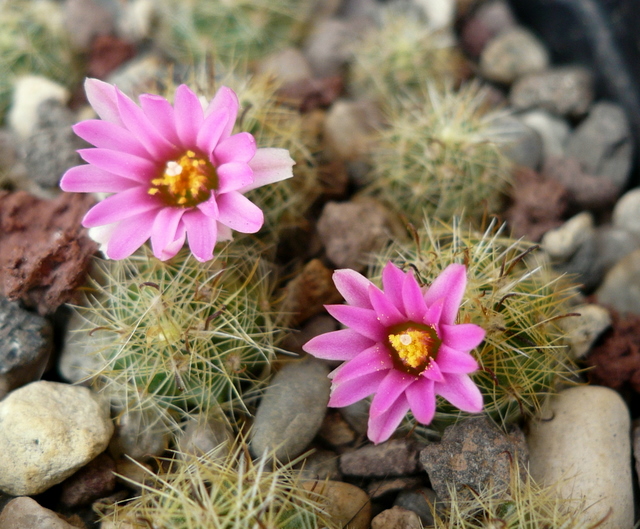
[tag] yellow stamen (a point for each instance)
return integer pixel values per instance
(414, 346)
(186, 181)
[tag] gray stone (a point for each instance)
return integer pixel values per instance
(292, 409)
(418, 501)
(350, 242)
(489, 19)
(396, 457)
(329, 46)
(51, 148)
(26, 341)
(139, 435)
(564, 91)
(603, 143)
(582, 331)
(626, 213)
(349, 128)
(472, 455)
(50, 431)
(26, 513)
(85, 20)
(78, 362)
(321, 465)
(561, 243)
(286, 66)
(553, 131)
(357, 415)
(621, 286)
(512, 54)
(581, 444)
(204, 434)
(524, 145)
(396, 518)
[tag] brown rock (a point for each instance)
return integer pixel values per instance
(345, 504)
(107, 53)
(472, 455)
(379, 488)
(393, 458)
(26, 513)
(309, 291)
(44, 251)
(396, 518)
(335, 430)
(94, 480)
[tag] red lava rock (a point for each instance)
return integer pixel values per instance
(45, 253)
(107, 53)
(94, 480)
(616, 357)
(538, 205)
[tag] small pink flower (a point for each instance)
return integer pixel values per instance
(175, 172)
(402, 344)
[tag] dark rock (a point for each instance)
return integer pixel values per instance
(335, 430)
(378, 489)
(107, 54)
(321, 465)
(584, 191)
(603, 143)
(565, 91)
(418, 501)
(484, 24)
(94, 480)
(51, 148)
(396, 457)
(26, 341)
(473, 455)
(524, 146)
(45, 253)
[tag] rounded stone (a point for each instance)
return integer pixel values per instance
(345, 504)
(50, 430)
(26, 513)
(626, 213)
(512, 54)
(621, 286)
(561, 243)
(582, 445)
(292, 409)
(582, 331)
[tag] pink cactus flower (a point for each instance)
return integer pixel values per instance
(402, 343)
(175, 172)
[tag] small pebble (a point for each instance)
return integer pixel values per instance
(287, 66)
(553, 131)
(396, 518)
(345, 504)
(418, 501)
(320, 465)
(204, 434)
(489, 19)
(621, 286)
(350, 128)
(582, 331)
(51, 430)
(93, 481)
(523, 145)
(512, 54)
(335, 430)
(564, 91)
(582, 445)
(603, 143)
(292, 409)
(139, 435)
(396, 457)
(626, 213)
(561, 243)
(471, 455)
(329, 46)
(26, 513)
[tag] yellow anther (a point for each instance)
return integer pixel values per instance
(414, 346)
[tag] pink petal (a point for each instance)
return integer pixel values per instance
(233, 176)
(237, 148)
(412, 298)
(224, 233)
(422, 400)
(160, 114)
(463, 337)
(433, 372)
(386, 311)
(227, 99)
(129, 235)
(344, 344)
(354, 287)
(434, 313)
(355, 390)
(450, 285)
(363, 321)
(269, 166)
(452, 361)
(122, 164)
(90, 179)
(188, 116)
(210, 208)
(171, 249)
(383, 426)
(392, 281)
(370, 360)
(123, 205)
(390, 389)
(201, 233)
(102, 97)
(460, 391)
(164, 231)
(108, 135)
(211, 130)
(147, 134)
(239, 213)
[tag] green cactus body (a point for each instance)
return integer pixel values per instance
(184, 334)
(516, 299)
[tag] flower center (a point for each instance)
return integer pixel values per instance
(413, 346)
(185, 182)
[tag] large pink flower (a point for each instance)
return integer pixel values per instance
(175, 172)
(402, 344)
